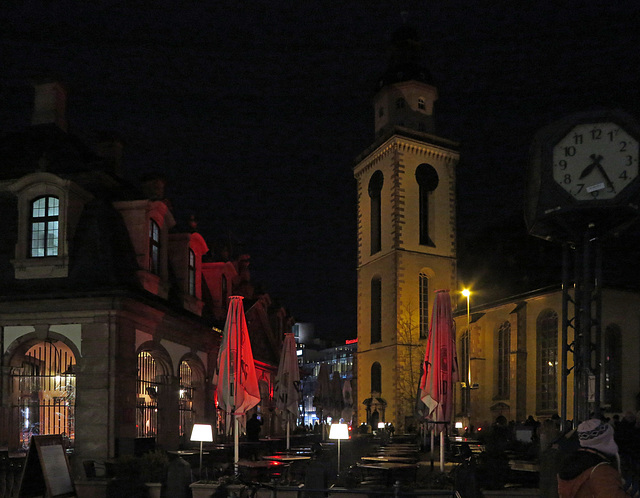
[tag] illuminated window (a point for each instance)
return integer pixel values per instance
(186, 398)
(44, 227)
(147, 404)
(428, 180)
(376, 310)
(424, 305)
(375, 189)
(376, 378)
(613, 368)
(547, 362)
(421, 104)
(44, 393)
(504, 351)
(192, 273)
(154, 247)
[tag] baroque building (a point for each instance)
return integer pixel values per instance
(111, 310)
(406, 198)
(510, 345)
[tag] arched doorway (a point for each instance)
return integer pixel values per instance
(43, 393)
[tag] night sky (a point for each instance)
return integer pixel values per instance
(256, 111)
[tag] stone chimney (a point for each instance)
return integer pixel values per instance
(154, 186)
(50, 104)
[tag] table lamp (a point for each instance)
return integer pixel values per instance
(202, 433)
(339, 431)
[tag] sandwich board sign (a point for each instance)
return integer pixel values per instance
(46, 471)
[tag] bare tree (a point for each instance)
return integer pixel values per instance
(410, 357)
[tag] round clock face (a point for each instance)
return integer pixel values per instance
(595, 161)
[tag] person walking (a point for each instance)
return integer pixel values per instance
(593, 470)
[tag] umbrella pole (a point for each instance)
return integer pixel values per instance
(236, 444)
(431, 448)
(288, 439)
(442, 451)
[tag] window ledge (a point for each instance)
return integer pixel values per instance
(49, 267)
(152, 283)
(193, 304)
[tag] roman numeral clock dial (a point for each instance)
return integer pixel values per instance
(595, 161)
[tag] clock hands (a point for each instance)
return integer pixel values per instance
(606, 177)
(589, 169)
(596, 164)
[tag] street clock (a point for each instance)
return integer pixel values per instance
(584, 173)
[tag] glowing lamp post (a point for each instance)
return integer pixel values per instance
(339, 431)
(202, 433)
(466, 293)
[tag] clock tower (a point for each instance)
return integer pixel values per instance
(406, 194)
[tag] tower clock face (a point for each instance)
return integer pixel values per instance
(595, 161)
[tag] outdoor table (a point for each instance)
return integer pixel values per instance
(393, 471)
(292, 460)
(262, 470)
(389, 458)
(286, 458)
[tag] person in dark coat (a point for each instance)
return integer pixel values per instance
(254, 426)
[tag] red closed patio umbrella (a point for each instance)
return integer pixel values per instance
(237, 389)
(440, 368)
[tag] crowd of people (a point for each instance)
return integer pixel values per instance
(598, 458)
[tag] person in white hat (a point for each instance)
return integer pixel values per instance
(593, 470)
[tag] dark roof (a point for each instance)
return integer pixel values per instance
(43, 148)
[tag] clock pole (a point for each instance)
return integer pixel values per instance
(583, 186)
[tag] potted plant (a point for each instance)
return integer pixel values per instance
(224, 486)
(153, 471)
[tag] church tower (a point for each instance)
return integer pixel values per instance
(406, 235)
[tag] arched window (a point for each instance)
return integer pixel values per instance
(154, 247)
(464, 357)
(547, 362)
(428, 180)
(148, 390)
(376, 310)
(192, 273)
(613, 368)
(44, 227)
(375, 189)
(376, 378)
(423, 282)
(225, 290)
(186, 399)
(44, 392)
(504, 352)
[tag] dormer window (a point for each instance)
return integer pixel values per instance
(154, 247)
(44, 227)
(192, 273)
(48, 211)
